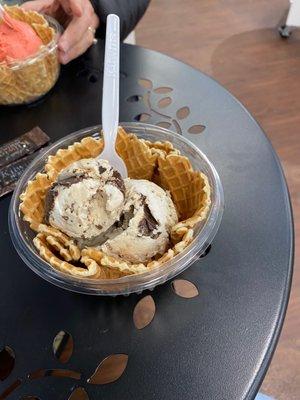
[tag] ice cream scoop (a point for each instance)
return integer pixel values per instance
(128, 219)
(86, 200)
(146, 233)
(18, 40)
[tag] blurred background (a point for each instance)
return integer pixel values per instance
(237, 43)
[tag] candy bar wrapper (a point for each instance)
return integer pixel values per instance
(22, 146)
(10, 174)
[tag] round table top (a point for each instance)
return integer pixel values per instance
(216, 345)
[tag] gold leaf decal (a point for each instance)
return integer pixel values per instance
(184, 288)
(196, 129)
(142, 117)
(7, 362)
(144, 312)
(63, 346)
(58, 373)
(183, 112)
(11, 388)
(79, 394)
(164, 124)
(165, 102)
(145, 83)
(163, 90)
(109, 370)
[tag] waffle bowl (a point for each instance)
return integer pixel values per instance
(25, 81)
(52, 256)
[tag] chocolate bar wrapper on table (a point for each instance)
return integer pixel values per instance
(10, 174)
(22, 146)
(16, 155)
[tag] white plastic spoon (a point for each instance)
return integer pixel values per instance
(110, 95)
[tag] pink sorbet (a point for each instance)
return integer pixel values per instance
(17, 41)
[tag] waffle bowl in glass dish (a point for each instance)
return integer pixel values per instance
(150, 152)
(25, 81)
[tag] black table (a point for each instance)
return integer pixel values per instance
(216, 346)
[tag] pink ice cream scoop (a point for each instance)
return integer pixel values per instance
(17, 40)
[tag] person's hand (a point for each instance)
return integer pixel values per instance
(77, 17)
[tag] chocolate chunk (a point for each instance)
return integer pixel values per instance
(148, 224)
(101, 169)
(23, 145)
(117, 181)
(116, 174)
(10, 174)
(114, 230)
(49, 202)
(124, 219)
(67, 182)
(155, 235)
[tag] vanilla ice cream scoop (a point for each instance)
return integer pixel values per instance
(150, 216)
(128, 219)
(86, 200)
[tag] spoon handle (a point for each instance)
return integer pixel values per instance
(110, 96)
(2, 11)
(5, 16)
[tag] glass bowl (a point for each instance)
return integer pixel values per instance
(22, 82)
(22, 235)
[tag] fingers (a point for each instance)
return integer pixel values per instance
(37, 5)
(77, 29)
(72, 7)
(78, 49)
(82, 45)
(77, 37)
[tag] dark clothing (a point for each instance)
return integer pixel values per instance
(129, 11)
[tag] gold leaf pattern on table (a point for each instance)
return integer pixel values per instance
(183, 112)
(163, 90)
(7, 362)
(164, 124)
(79, 394)
(58, 373)
(145, 83)
(144, 312)
(164, 102)
(143, 117)
(11, 388)
(109, 370)
(185, 288)
(196, 129)
(63, 346)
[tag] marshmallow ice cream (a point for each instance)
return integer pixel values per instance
(128, 219)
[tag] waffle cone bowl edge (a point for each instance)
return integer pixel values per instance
(30, 80)
(159, 162)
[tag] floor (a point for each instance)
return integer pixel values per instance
(236, 42)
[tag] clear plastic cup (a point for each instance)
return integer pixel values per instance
(22, 235)
(25, 81)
